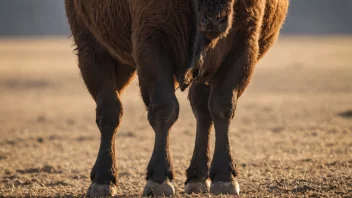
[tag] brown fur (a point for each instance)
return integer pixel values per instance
(115, 39)
(116, 24)
(256, 25)
(229, 60)
(159, 40)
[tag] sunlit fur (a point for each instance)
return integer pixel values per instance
(255, 28)
(115, 39)
(217, 9)
(227, 69)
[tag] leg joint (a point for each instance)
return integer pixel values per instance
(109, 111)
(222, 106)
(164, 110)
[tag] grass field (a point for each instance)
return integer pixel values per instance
(291, 137)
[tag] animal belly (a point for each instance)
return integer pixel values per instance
(110, 22)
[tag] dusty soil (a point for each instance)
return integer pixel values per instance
(292, 134)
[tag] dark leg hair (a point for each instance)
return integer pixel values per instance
(105, 78)
(197, 172)
(155, 73)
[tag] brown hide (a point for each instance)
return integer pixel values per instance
(117, 25)
(267, 15)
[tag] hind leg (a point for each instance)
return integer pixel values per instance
(155, 73)
(105, 78)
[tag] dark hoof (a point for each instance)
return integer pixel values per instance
(154, 189)
(101, 190)
(225, 188)
(197, 187)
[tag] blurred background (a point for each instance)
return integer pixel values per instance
(43, 17)
(291, 137)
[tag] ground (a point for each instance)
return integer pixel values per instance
(291, 137)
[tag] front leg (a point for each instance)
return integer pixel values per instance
(197, 172)
(222, 105)
(228, 85)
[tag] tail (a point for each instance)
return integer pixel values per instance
(185, 75)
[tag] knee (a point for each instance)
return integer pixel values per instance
(222, 106)
(198, 98)
(198, 95)
(163, 110)
(109, 111)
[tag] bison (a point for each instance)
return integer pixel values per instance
(211, 45)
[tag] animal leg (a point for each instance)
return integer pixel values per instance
(222, 105)
(197, 172)
(99, 77)
(106, 89)
(105, 78)
(231, 81)
(155, 73)
(228, 85)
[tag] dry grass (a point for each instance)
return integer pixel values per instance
(292, 136)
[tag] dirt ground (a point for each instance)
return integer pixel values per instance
(291, 137)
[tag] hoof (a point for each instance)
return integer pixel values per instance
(101, 190)
(154, 189)
(225, 188)
(197, 187)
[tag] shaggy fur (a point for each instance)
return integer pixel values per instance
(115, 39)
(229, 61)
(163, 41)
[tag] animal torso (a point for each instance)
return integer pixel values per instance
(114, 24)
(110, 23)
